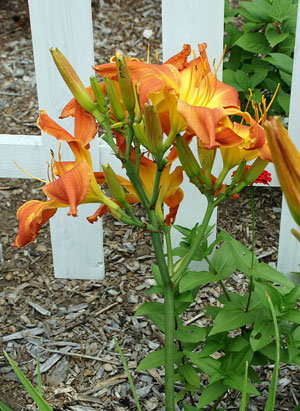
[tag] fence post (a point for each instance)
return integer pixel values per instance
(289, 247)
(67, 24)
(193, 22)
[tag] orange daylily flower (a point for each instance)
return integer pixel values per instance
(199, 98)
(73, 182)
(169, 191)
(250, 141)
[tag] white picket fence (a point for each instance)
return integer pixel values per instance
(67, 24)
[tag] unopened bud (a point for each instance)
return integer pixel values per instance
(125, 82)
(73, 81)
(114, 184)
(114, 100)
(99, 95)
(206, 157)
(154, 134)
(187, 158)
(139, 132)
(239, 173)
(255, 171)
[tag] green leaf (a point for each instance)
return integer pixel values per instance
(235, 362)
(251, 27)
(208, 365)
(156, 274)
(273, 36)
(210, 348)
(236, 382)
(268, 273)
(284, 100)
(155, 312)
(262, 333)
(4, 407)
(244, 391)
(287, 78)
(212, 311)
(291, 298)
(242, 255)
(254, 42)
(190, 374)
(281, 61)
(223, 261)
(287, 46)
(233, 316)
(229, 78)
(242, 79)
(211, 393)
(257, 78)
(35, 395)
(233, 34)
(187, 407)
(292, 315)
(281, 8)
(237, 344)
(191, 333)
(193, 279)
(260, 290)
(156, 289)
(260, 11)
(156, 359)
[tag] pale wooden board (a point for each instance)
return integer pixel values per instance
(27, 151)
(192, 22)
(76, 244)
(289, 247)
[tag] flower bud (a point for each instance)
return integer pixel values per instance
(125, 82)
(73, 81)
(139, 132)
(98, 93)
(114, 100)
(114, 184)
(187, 158)
(239, 173)
(154, 134)
(206, 157)
(286, 159)
(255, 171)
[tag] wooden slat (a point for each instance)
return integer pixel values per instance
(76, 244)
(289, 247)
(183, 22)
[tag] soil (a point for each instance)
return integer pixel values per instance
(64, 317)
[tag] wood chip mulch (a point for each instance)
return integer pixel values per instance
(71, 324)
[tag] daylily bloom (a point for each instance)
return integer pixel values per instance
(73, 182)
(287, 163)
(169, 191)
(187, 95)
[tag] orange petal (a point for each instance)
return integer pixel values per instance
(71, 188)
(202, 121)
(85, 125)
(49, 126)
(180, 59)
(173, 202)
(32, 215)
(69, 109)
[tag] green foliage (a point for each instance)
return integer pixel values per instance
(261, 50)
(245, 328)
(35, 394)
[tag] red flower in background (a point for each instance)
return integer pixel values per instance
(264, 178)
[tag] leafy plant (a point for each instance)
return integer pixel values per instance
(259, 53)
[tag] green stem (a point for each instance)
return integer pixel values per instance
(220, 179)
(250, 285)
(187, 258)
(155, 191)
(167, 232)
(169, 313)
